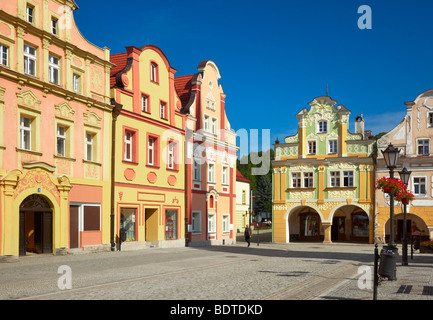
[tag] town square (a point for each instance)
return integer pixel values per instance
(229, 151)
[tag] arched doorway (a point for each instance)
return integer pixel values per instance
(350, 223)
(416, 226)
(304, 224)
(36, 226)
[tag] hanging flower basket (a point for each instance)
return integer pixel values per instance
(389, 185)
(404, 196)
(426, 246)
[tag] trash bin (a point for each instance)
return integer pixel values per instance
(388, 263)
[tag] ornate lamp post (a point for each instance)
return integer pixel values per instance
(390, 155)
(404, 176)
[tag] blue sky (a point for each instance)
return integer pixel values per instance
(276, 56)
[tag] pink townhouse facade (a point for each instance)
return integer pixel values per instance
(55, 120)
(210, 158)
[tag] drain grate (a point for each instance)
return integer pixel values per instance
(406, 289)
(427, 291)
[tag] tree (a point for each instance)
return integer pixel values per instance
(263, 195)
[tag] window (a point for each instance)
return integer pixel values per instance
(154, 72)
(76, 82)
(54, 26)
(127, 223)
(323, 126)
(423, 147)
(4, 55)
(419, 186)
(151, 151)
(348, 178)
(225, 177)
(29, 60)
(89, 146)
(311, 147)
(211, 225)
(196, 222)
(162, 110)
(333, 146)
(206, 123)
(171, 154)
(430, 119)
(335, 178)
(25, 133)
(197, 170)
(211, 172)
(226, 223)
(296, 180)
(214, 125)
(144, 103)
(53, 69)
(244, 197)
(170, 224)
(61, 141)
(308, 179)
(128, 146)
(29, 14)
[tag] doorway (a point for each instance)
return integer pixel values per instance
(36, 226)
(338, 229)
(151, 224)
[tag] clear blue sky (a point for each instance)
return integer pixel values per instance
(276, 56)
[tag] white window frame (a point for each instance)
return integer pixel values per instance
(162, 110)
(214, 125)
(128, 145)
(170, 154)
(61, 138)
(196, 170)
(196, 222)
(151, 151)
(322, 126)
(225, 175)
(54, 69)
(211, 223)
(30, 11)
(54, 26)
(211, 172)
(423, 146)
(308, 176)
(206, 123)
(414, 185)
(348, 177)
(430, 119)
(334, 179)
(25, 133)
(4, 55)
(331, 150)
(144, 103)
(90, 144)
(310, 143)
(76, 83)
(29, 57)
(153, 71)
(226, 223)
(296, 176)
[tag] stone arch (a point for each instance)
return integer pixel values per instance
(293, 224)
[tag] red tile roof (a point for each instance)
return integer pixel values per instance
(183, 87)
(119, 59)
(240, 177)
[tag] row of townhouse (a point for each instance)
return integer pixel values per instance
(98, 148)
(324, 176)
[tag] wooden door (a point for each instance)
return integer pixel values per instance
(73, 227)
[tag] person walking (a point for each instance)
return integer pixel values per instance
(247, 234)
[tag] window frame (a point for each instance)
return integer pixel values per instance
(26, 129)
(196, 169)
(154, 72)
(30, 12)
(415, 184)
(54, 26)
(4, 50)
(423, 146)
(53, 69)
(310, 144)
(330, 150)
(225, 219)
(163, 114)
(90, 144)
(62, 138)
(225, 180)
(196, 222)
(211, 172)
(145, 103)
(29, 57)
(211, 223)
(322, 127)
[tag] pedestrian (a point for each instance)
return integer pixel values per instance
(247, 234)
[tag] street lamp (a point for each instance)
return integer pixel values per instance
(404, 176)
(390, 155)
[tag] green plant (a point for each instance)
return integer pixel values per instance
(428, 244)
(404, 196)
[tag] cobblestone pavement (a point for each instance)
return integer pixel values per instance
(296, 271)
